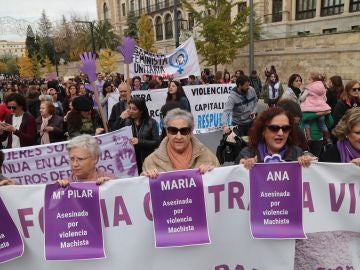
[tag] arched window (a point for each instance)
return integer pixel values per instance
(106, 12)
(168, 27)
(159, 28)
(277, 11)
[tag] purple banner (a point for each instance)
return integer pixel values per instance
(276, 201)
(72, 222)
(179, 212)
(11, 244)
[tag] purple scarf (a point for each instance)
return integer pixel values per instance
(347, 151)
(267, 158)
(273, 89)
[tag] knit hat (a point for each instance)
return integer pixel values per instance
(82, 104)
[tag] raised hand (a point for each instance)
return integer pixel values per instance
(88, 67)
(127, 49)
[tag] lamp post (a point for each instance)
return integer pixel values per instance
(92, 34)
(251, 40)
(176, 24)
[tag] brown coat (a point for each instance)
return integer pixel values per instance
(159, 159)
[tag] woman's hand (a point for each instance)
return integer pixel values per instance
(101, 180)
(134, 141)
(124, 114)
(203, 168)
(305, 160)
(48, 129)
(99, 131)
(248, 162)
(10, 128)
(7, 182)
(63, 182)
(151, 173)
(356, 161)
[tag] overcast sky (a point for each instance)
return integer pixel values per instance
(31, 9)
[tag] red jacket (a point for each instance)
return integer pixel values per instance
(26, 132)
(3, 111)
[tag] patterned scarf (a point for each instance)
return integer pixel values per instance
(45, 139)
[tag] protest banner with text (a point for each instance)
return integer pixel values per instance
(331, 223)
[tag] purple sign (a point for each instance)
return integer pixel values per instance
(11, 244)
(179, 212)
(276, 201)
(72, 222)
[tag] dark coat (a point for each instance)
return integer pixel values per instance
(331, 155)
(115, 122)
(74, 123)
(57, 122)
(340, 109)
(291, 154)
(149, 139)
(26, 131)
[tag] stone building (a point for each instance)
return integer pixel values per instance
(11, 48)
(296, 36)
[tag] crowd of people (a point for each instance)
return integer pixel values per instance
(316, 119)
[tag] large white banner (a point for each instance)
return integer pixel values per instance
(178, 64)
(43, 164)
(207, 104)
(331, 222)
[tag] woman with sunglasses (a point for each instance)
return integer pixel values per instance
(350, 98)
(19, 127)
(144, 129)
(179, 150)
(273, 138)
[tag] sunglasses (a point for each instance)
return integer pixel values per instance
(276, 128)
(183, 131)
(355, 89)
(12, 107)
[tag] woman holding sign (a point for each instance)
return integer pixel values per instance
(84, 153)
(179, 150)
(144, 129)
(347, 148)
(273, 138)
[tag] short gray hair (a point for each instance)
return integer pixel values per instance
(179, 114)
(85, 141)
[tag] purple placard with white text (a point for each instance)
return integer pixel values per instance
(11, 244)
(72, 222)
(179, 212)
(276, 201)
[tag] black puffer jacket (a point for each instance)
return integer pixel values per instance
(149, 139)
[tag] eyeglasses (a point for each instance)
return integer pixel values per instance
(174, 130)
(78, 159)
(12, 107)
(355, 89)
(276, 128)
(298, 80)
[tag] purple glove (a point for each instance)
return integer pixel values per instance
(127, 49)
(88, 65)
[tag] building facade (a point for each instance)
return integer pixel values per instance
(309, 29)
(11, 48)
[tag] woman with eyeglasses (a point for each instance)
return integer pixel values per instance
(293, 91)
(84, 153)
(347, 148)
(350, 98)
(179, 150)
(19, 127)
(144, 129)
(273, 138)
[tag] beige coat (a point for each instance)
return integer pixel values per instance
(159, 159)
